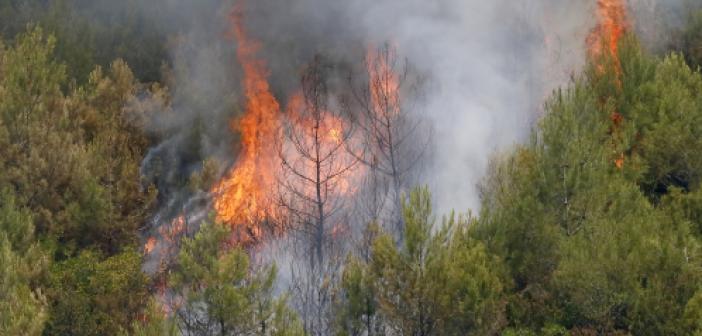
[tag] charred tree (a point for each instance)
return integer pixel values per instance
(314, 186)
(315, 162)
(394, 141)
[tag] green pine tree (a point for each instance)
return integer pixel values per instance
(439, 281)
(222, 295)
(23, 308)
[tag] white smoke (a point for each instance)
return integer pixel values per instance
(490, 65)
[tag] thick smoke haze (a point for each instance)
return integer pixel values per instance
(486, 69)
(657, 21)
(488, 65)
(491, 64)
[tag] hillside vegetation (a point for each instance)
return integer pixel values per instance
(592, 227)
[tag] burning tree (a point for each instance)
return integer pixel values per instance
(315, 180)
(391, 148)
(613, 24)
(244, 196)
(603, 48)
(316, 166)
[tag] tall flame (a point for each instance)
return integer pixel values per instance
(247, 195)
(244, 195)
(603, 43)
(612, 25)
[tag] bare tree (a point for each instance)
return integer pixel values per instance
(394, 141)
(315, 163)
(314, 184)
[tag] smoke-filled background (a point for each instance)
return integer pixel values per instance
(131, 129)
(489, 66)
(486, 69)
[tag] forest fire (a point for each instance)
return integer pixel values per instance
(384, 82)
(612, 25)
(248, 196)
(603, 44)
(150, 245)
(362, 167)
(321, 140)
(166, 239)
(243, 198)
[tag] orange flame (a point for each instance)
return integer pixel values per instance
(244, 196)
(338, 164)
(165, 246)
(150, 245)
(169, 235)
(619, 162)
(384, 83)
(172, 233)
(613, 24)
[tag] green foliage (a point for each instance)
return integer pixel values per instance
(357, 309)
(92, 32)
(598, 217)
(222, 295)
(91, 296)
(114, 139)
(154, 323)
(435, 283)
(22, 307)
(672, 138)
(206, 178)
(73, 160)
(591, 227)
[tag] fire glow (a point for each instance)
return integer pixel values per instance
(611, 27)
(603, 44)
(244, 197)
(384, 84)
(249, 193)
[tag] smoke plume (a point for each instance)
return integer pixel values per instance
(488, 66)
